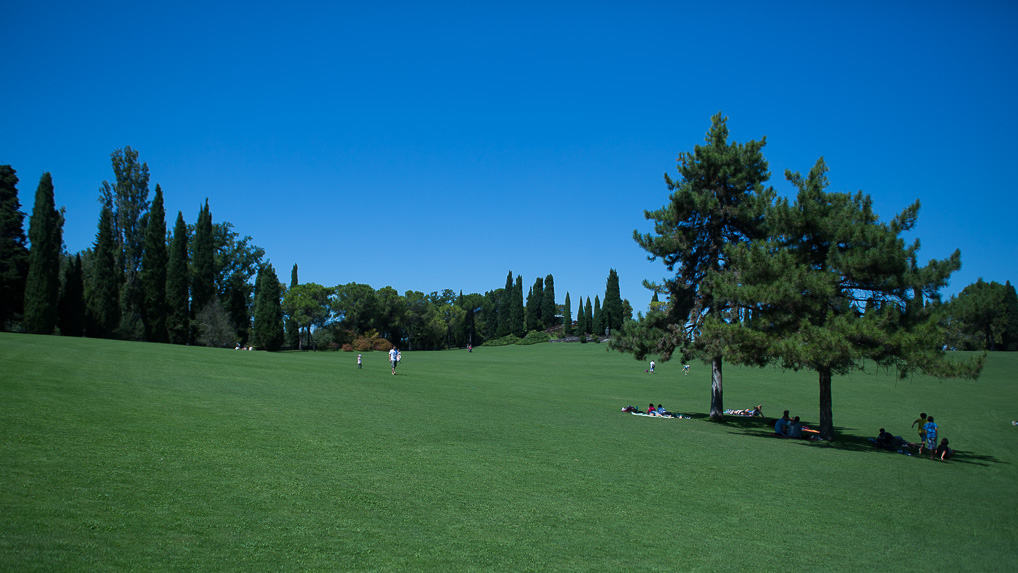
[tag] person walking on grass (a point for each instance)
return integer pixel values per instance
(360, 364)
(921, 422)
(393, 358)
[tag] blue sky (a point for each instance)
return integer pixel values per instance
(441, 145)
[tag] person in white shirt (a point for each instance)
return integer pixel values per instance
(393, 358)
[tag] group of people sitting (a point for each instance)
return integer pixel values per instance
(787, 427)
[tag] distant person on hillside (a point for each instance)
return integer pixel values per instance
(931, 437)
(685, 369)
(651, 410)
(393, 355)
(360, 363)
(662, 412)
(781, 427)
(651, 370)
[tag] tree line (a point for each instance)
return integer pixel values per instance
(203, 283)
(813, 282)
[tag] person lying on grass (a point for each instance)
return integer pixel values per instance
(757, 411)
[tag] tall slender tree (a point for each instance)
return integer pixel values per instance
(291, 327)
(567, 317)
(13, 248)
(612, 307)
(505, 303)
(154, 264)
(178, 317)
(598, 322)
(103, 302)
(588, 318)
(42, 285)
(548, 303)
(268, 314)
(203, 283)
(718, 200)
(517, 319)
(72, 299)
(127, 198)
(535, 297)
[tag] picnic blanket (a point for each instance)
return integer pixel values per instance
(671, 416)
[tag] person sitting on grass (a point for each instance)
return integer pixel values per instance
(661, 411)
(795, 428)
(885, 440)
(943, 452)
(781, 427)
(651, 411)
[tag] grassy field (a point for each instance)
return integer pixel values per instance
(117, 455)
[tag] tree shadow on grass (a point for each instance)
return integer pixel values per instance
(764, 428)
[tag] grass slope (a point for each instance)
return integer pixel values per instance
(117, 455)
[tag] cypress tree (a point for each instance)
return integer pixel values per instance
(588, 318)
(103, 305)
(535, 296)
(292, 329)
(598, 322)
(612, 309)
(153, 271)
(13, 248)
(42, 285)
(548, 303)
(268, 313)
(72, 300)
(518, 322)
(504, 304)
(203, 286)
(178, 317)
(567, 317)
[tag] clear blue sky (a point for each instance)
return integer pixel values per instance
(528, 137)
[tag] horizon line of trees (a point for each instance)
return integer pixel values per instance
(202, 283)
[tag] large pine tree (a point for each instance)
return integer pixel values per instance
(718, 200)
(103, 304)
(153, 271)
(42, 286)
(830, 287)
(178, 318)
(268, 314)
(13, 248)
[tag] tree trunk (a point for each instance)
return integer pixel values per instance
(826, 413)
(717, 407)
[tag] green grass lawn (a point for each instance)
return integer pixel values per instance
(117, 455)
